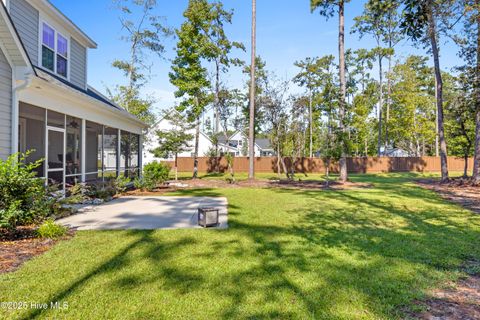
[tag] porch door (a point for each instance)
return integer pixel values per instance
(56, 156)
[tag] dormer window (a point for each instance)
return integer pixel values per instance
(54, 51)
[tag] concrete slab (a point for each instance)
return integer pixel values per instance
(146, 213)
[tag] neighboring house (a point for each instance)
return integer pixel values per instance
(205, 145)
(236, 141)
(46, 104)
(395, 152)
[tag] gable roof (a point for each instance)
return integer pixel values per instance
(263, 143)
(56, 14)
(10, 41)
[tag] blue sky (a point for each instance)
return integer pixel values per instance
(286, 32)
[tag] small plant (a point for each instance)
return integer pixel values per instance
(121, 184)
(78, 193)
(50, 229)
(155, 174)
(143, 184)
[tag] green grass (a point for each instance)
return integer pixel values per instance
(355, 254)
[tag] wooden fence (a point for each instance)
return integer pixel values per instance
(316, 165)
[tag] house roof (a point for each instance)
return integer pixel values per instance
(78, 34)
(263, 143)
(10, 41)
(89, 92)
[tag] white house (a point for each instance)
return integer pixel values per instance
(46, 104)
(234, 146)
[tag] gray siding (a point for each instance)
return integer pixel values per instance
(78, 63)
(5, 106)
(25, 17)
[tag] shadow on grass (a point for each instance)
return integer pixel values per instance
(360, 249)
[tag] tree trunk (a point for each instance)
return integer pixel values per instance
(310, 114)
(251, 133)
(476, 161)
(195, 153)
(389, 98)
(176, 166)
(380, 105)
(343, 89)
(432, 32)
(217, 98)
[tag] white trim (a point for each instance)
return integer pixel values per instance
(44, 7)
(83, 153)
(56, 32)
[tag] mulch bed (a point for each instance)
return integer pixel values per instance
(288, 184)
(22, 245)
(459, 302)
(462, 300)
(460, 191)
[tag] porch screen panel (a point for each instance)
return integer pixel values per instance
(73, 148)
(134, 154)
(55, 119)
(110, 152)
(124, 153)
(129, 158)
(94, 151)
(32, 134)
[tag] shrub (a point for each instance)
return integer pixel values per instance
(143, 184)
(121, 184)
(155, 174)
(49, 229)
(23, 197)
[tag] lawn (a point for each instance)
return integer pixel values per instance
(353, 254)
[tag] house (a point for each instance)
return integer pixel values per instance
(46, 104)
(205, 144)
(235, 145)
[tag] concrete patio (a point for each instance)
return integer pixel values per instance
(146, 213)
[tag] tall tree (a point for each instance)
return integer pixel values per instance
(379, 19)
(413, 110)
(327, 8)
(460, 114)
(420, 23)
(251, 128)
(470, 51)
(144, 32)
(188, 74)
(219, 50)
(307, 77)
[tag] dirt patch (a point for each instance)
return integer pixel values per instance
(459, 191)
(22, 245)
(459, 302)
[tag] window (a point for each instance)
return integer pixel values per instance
(62, 52)
(48, 47)
(54, 51)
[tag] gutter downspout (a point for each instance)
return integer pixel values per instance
(27, 81)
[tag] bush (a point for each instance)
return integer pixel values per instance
(121, 184)
(155, 174)
(23, 197)
(143, 184)
(49, 229)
